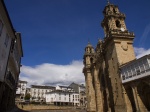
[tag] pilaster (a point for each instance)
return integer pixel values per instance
(99, 99)
(91, 104)
(127, 100)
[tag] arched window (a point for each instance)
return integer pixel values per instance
(114, 11)
(91, 60)
(118, 25)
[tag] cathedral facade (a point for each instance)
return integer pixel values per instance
(104, 88)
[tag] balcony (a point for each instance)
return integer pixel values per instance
(136, 69)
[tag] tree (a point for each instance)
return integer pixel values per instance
(27, 96)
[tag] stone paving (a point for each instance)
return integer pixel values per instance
(50, 111)
(58, 110)
(68, 110)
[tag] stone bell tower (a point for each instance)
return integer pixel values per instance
(118, 49)
(105, 91)
(116, 33)
(88, 60)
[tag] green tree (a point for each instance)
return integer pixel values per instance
(27, 96)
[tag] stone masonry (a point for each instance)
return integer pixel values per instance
(105, 91)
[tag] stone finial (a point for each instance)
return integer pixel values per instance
(108, 2)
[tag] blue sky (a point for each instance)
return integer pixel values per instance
(55, 33)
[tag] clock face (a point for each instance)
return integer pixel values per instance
(122, 29)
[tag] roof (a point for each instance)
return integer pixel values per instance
(80, 85)
(20, 81)
(89, 45)
(42, 87)
(61, 91)
(65, 87)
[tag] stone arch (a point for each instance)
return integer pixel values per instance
(143, 90)
(130, 96)
(91, 60)
(114, 10)
(118, 24)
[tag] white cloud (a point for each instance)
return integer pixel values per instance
(145, 34)
(141, 52)
(52, 74)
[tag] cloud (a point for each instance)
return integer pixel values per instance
(52, 74)
(141, 52)
(145, 34)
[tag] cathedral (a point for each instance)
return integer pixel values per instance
(104, 88)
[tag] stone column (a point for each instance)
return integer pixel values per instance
(106, 87)
(91, 105)
(134, 91)
(99, 99)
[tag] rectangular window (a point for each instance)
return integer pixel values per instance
(130, 73)
(1, 27)
(123, 77)
(146, 66)
(134, 72)
(142, 68)
(126, 75)
(137, 70)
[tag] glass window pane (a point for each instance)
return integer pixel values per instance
(137, 70)
(130, 73)
(142, 68)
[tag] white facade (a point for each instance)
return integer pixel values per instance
(38, 92)
(80, 89)
(21, 89)
(62, 96)
(75, 99)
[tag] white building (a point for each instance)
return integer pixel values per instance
(63, 95)
(21, 90)
(38, 92)
(80, 89)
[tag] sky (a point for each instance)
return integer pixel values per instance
(55, 33)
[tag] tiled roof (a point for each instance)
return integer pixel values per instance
(61, 91)
(42, 87)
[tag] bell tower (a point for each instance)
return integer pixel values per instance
(113, 19)
(117, 33)
(104, 88)
(118, 50)
(88, 60)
